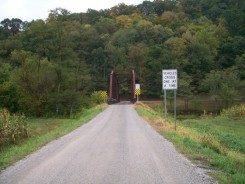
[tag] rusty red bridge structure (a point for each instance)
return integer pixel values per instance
(114, 96)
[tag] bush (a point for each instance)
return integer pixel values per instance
(97, 98)
(235, 111)
(12, 128)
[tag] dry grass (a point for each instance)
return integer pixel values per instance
(216, 142)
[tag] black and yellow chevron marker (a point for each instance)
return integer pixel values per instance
(137, 91)
(103, 94)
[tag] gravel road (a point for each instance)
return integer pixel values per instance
(116, 147)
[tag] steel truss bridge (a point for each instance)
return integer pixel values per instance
(114, 96)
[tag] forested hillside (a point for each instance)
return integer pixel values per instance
(52, 67)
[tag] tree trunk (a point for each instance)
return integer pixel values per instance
(71, 111)
(216, 105)
(186, 104)
(57, 103)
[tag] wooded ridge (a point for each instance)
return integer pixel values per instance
(51, 67)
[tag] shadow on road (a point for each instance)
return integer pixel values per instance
(122, 103)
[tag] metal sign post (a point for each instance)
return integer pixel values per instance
(170, 82)
(165, 106)
(175, 109)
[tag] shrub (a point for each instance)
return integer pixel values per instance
(12, 128)
(235, 111)
(97, 98)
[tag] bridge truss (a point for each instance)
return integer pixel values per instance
(114, 96)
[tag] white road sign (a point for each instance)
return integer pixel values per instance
(169, 79)
(137, 86)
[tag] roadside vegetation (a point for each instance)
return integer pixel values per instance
(213, 142)
(19, 136)
(12, 128)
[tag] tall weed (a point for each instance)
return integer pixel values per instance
(235, 111)
(12, 127)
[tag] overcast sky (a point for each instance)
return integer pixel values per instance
(28, 10)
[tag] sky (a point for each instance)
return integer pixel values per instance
(28, 10)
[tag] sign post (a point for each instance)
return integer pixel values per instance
(137, 91)
(165, 105)
(175, 109)
(170, 82)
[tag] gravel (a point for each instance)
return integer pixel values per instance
(117, 146)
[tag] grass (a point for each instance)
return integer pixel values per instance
(194, 107)
(42, 131)
(217, 143)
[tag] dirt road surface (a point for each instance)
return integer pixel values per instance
(116, 147)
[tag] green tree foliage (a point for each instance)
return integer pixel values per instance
(38, 38)
(121, 9)
(92, 16)
(14, 25)
(223, 85)
(8, 95)
(50, 67)
(4, 34)
(106, 26)
(34, 82)
(235, 21)
(59, 14)
(240, 65)
(7, 46)
(231, 49)
(185, 88)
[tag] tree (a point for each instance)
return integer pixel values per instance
(146, 8)
(201, 46)
(92, 16)
(177, 47)
(85, 41)
(121, 9)
(59, 14)
(4, 33)
(240, 66)
(9, 45)
(116, 56)
(98, 62)
(106, 25)
(223, 85)
(136, 57)
(152, 70)
(34, 80)
(235, 21)
(15, 25)
(229, 50)
(173, 20)
(185, 88)
(124, 37)
(73, 86)
(8, 96)
(124, 21)
(192, 8)
(39, 38)
(68, 58)
(144, 28)
(159, 34)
